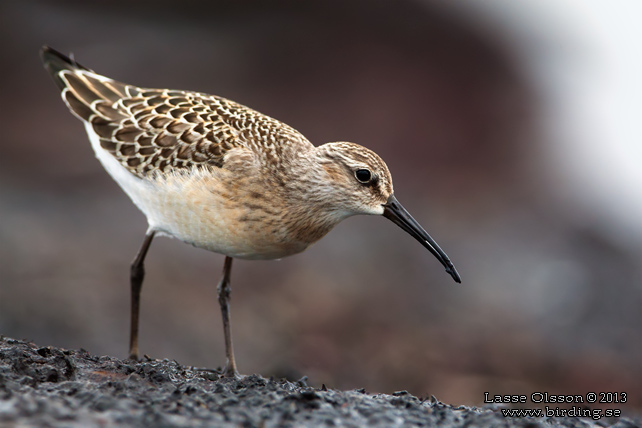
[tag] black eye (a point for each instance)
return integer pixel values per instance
(363, 175)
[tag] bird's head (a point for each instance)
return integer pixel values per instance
(358, 178)
(359, 182)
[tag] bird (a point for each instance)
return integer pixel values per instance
(223, 177)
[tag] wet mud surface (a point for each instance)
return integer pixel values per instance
(52, 387)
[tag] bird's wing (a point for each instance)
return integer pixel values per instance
(150, 130)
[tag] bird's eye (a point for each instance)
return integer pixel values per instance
(363, 175)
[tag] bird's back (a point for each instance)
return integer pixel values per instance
(150, 130)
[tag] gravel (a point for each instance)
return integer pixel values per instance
(52, 387)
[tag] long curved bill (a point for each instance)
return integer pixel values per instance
(394, 211)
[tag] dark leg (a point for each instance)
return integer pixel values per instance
(137, 273)
(224, 300)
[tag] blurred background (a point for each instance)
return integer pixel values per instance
(513, 133)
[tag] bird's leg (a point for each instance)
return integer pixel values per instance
(224, 300)
(137, 273)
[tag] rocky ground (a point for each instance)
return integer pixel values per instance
(51, 387)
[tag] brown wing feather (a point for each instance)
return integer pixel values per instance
(150, 130)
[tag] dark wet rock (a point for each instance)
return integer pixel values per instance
(46, 386)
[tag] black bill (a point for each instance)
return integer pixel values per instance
(394, 211)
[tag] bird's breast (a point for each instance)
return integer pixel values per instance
(231, 217)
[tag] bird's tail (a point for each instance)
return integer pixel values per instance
(55, 62)
(88, 95)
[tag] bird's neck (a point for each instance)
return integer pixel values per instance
(313, 199)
